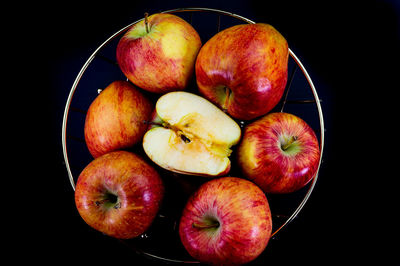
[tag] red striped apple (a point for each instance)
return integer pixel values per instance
(279, 152)
(158, 53)
(119, 194)
(243, 69)
(190, 135)
(115, 118)
(227, 221)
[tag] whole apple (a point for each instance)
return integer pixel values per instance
(243, 69)
(119, 194)
(190, 135)
(226, 221)
(158, 53)
(115, 118)
(279, 152)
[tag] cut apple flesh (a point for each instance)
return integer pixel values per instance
(167, 149)
(195, 137)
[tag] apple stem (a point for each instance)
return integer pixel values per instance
(146, 22)
(287, 144)
(227, 92)
(206, 226)
(155, 123)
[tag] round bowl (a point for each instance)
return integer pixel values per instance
(161, 241)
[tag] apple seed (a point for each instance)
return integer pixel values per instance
(185, 139)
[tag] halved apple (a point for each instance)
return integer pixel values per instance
(190, 135)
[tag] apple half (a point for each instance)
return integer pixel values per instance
(190, 135)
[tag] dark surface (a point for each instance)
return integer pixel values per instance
(351, 54)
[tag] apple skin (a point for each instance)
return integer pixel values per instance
(115, 118)
(262, 159)
(227, 221)
(250, 61)
(163, 59)
(119, 194)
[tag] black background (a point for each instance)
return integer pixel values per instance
(351, 53)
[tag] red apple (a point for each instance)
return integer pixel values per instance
(226, 221)
(115, 118)
(279, 152)
(160, 56)
(243, 69)
(119, 194)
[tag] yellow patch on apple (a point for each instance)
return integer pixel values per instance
(174, 45)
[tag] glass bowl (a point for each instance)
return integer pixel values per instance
(161, 241)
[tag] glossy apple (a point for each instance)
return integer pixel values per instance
(115, 118)
(161, 57)
(243, 69)
(190, 135)
(227, 221)
(279, 152)
(119, 194)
